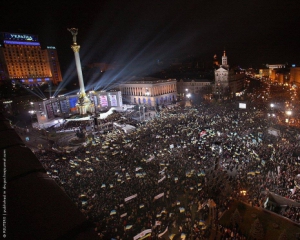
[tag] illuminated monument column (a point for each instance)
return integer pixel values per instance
(84, 104)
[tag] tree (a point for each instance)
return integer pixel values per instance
(283, 235)
(256, 231)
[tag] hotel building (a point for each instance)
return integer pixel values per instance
(23, 59)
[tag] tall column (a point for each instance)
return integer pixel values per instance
(75, 49)
(83, 102)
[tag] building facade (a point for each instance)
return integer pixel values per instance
(227, 81)
(54, 65)
(295, 76)
(149, 91)
(264, 72)
(23, 59)
(193, 86)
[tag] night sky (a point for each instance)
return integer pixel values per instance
(253, 32)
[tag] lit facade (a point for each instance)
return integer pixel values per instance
(54, 65)
(264, 72)
(194, 86)
(22, 58)
(295, 76)
(275, 66)
(227, 81)
(149, 91)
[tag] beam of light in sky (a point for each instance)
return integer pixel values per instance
(142, 63)
(28, 90)
(135, 53)
(74, 92)
(37, 88)
(67, 78)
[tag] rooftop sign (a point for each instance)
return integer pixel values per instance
(20, 37)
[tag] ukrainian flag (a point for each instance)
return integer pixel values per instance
(128, 227)
(112, 212)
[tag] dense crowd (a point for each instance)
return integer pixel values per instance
(162, 176)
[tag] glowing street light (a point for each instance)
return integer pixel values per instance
(243, 192)
(288, 113)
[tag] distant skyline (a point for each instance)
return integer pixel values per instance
(140, 32)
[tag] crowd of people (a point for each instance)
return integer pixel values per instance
(159, 179)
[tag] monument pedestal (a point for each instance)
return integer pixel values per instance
(84, 104)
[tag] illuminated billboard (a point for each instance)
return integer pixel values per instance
(20, 37)
(55, 107)
(64, 106)
(50, 112)
(103, 101)
(72, 103)
(113, 101)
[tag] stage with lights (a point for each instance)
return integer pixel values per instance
(55, 110)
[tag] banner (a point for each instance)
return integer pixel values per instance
(159, 195)
(160, 180)
(131, 197)
(150, 159)
(142, 234)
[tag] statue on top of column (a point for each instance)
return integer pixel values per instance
(74, 32)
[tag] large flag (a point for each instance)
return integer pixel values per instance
(142, 234)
